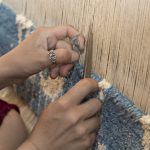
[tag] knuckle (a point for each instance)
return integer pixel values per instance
(95, 104)
(72, 119)
(63, 105)
(60, 44)
(64, 56)
(71, 116)
(80, 131)
(70, 27)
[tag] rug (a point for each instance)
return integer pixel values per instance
(123, 127)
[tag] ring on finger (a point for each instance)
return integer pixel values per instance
(52, 56)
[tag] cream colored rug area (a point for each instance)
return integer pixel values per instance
(8, 94)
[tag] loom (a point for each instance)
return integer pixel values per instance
(124, 125)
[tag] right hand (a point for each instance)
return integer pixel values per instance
(68, 124)
(31, 55)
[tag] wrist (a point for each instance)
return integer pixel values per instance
(10, 68)
(5, 72)
(27, 145)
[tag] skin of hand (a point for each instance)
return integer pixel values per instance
(11, 125)
(68, 124)
(31, 55)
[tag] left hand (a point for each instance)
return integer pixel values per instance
(31, 55)
(67, 124)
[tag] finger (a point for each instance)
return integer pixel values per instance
(63, 44)
(76, 94)
(52, 66)
(62, 32)
(92, 125)
(93, 138)
(89, 108)
(61, 70)
(64, 56)
(54, 72)
(89, 140)
(65, 69)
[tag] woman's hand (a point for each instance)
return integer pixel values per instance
(31, 55)
(68, 124)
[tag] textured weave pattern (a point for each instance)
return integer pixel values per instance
(120, 129)
(8, 30)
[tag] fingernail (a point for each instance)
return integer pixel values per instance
(54, 72)
(82, 42)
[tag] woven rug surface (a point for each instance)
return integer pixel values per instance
(124, 126)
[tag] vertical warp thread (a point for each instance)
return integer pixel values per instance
(111, 125)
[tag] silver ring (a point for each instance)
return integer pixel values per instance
(52, 56)
(75, 43)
